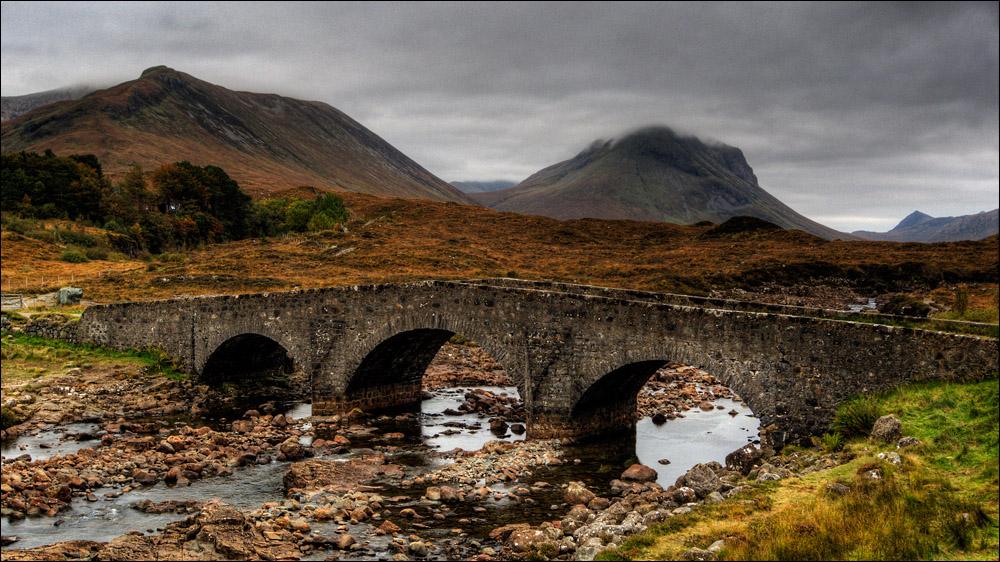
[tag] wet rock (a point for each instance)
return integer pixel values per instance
(143, 477)
(887, 429)
(242, 426)
(598, 504)
(418, 548)
(68, 550)
(524, 540)
(388, 528)
(683, 495)
(500, 534)
(128, 547)
(639, 473)
(702, 480)
(577, 493)
(292, 449)
(450, 495)
(344, 542)
(320, 475)
(743, 460)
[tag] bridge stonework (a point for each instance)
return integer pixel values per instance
(578, 355)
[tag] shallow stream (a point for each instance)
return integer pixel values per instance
(700, 436)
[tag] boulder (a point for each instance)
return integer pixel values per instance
(742, 460)
(450, 495)
(887, 429)
(524, 540)
(292, 449)
(639, 473)
(702, 480)
(70, 296)
(577, 493)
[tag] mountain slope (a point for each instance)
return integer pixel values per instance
(920, 227)
(14, 106)
(264, 141)
(652, 175)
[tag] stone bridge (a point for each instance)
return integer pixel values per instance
(578, 355)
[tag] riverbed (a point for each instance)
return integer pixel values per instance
(697, 437)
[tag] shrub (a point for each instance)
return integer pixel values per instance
(832, 442)
(856, 417)
(76, 238)
(97, 253)
(20, 226)
(73, 256)
(7, 417)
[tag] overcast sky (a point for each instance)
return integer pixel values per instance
(854, 115)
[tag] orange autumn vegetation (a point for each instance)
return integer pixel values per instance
(398, 240)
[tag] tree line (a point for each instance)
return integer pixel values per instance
(177, 206)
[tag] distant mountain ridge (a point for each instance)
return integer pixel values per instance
(653, 174)
(481, 186)
(266, 142)
(15, 106)
(921, 227)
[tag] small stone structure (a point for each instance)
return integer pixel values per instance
(70, 296)
(578, 355)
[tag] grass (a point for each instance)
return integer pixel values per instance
(855, 418)
(942, 504)
(26, 358)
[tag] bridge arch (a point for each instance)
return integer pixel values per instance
(248, 356)
(387, 369)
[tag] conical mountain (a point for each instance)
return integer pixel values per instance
(920, 227)
(652, 175)
(264, 141)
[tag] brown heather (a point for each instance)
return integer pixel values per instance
(397, 240)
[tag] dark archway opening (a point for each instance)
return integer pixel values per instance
(251, 371)
(398, 363)
(666, 415)
(609, 405)
(439, 387)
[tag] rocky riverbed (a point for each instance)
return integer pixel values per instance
(350, 487)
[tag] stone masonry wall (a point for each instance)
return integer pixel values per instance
(792, 371)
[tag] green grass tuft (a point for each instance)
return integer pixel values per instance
(856, 417)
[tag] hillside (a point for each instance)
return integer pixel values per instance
(920, 227)
(397, 240)
(264, 141)
(14, 106)
(652, 175)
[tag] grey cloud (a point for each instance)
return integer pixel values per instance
(829, 101)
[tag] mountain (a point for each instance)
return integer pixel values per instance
(920, 227)
(14, 106)
(265, 142)
(481, 186)
(653, 174)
